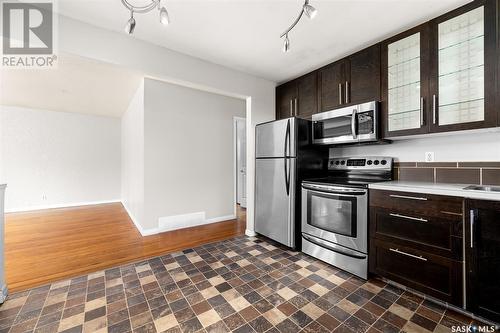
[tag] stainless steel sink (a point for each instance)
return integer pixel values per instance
(483, 188)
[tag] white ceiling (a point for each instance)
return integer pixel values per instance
(244, 34)
(77, 85)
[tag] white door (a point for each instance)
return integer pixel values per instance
(241, 161)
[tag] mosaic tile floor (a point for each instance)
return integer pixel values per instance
(238, 285)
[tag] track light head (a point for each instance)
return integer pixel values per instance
(286, 44)
(309, 10)
(152, 5)
(130, 26)
(164, 18)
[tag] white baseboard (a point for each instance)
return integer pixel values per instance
(72, 204)
(250, 233)
(177, 222)
(183, 221)
(3, 293)
(221, 219)
(144, 232)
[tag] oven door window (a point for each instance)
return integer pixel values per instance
(332, 213)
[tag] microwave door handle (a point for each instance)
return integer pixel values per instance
(353, 124)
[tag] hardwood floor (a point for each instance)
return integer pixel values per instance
(50, 245)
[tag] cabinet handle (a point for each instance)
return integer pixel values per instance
(434, 109)
(347, 97)
(472, 218)
(451, 213)
(408, 217)
(407, 197)
(421, 111)
(340, 93)
(408, 254)
(291, 108)
(295, 110)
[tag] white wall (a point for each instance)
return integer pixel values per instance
(82, 39)
(189, 155)
(132, 157)
(466, 146)
(54, 159)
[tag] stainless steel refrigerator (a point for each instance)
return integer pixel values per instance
(284, 156)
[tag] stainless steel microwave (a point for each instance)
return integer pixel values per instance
(352, 124)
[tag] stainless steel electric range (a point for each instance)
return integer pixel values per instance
(335, 211)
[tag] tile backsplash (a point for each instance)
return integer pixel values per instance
(484, 173)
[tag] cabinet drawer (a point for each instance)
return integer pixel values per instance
(436, 235)
(431, 274)
(418, 203)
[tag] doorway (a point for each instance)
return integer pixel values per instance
(240, 139)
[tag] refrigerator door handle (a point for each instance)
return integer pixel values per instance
(287, 147)
(287, 176)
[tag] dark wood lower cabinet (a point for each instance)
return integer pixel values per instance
(416, 239)
(482, 248)
(431, 274)
(437, 235)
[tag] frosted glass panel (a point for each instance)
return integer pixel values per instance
(404, 83)
(461, 68)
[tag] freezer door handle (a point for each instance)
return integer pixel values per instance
(287, 139)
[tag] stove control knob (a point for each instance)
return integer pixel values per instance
(337, 162)
(369, 162)
(383, 162)
(376, 162)
(343, 162)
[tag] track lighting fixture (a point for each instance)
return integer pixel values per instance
(130, 26)
(163, 14)
(286, 44)
(310, 12)
(164, 19)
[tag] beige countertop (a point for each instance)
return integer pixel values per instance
(454, 190)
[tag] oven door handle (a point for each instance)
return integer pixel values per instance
(322, 190)
(332, 248)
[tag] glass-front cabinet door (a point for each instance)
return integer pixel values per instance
(405, 83)
(463, 68)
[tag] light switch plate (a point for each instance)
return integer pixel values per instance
(429, 156)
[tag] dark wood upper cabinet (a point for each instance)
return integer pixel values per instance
(363, 84)
(437, 77)
(331, 81)
(286, 97)
(307, 87)
(352, 80)
(462, 68)
(405, 83)
(297, 98)
(482, 256)
(450, 85)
